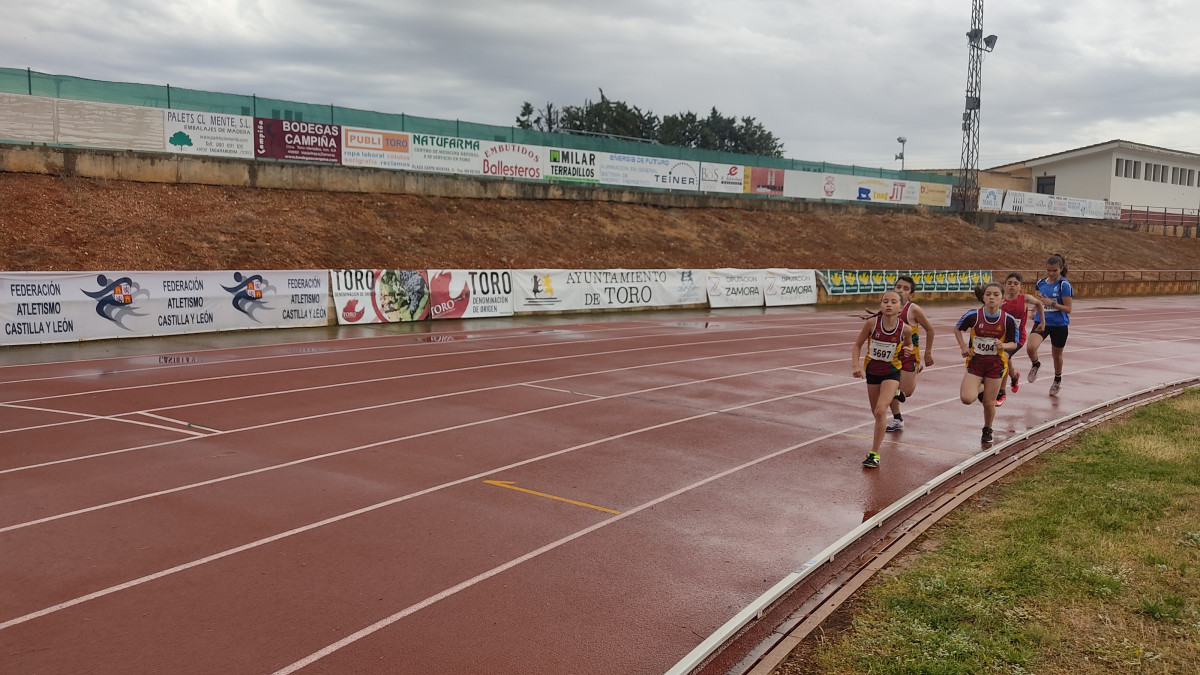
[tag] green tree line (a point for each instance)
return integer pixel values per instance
(619, 119)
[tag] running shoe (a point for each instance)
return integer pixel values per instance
(894, 425)
(1000, 400)
(987, 435)
(1054, 388)
(980, 397)
(899, 396)
(1033, 371)
(1016, 381)
(872, 460)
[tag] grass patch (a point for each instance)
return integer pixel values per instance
(1088, 562)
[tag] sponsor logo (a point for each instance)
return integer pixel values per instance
(351, 312)
(248, 294)
(115, 299)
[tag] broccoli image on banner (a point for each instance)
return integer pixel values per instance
(180, 139)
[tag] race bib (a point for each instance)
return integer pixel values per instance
(883, 351)
(986, 346)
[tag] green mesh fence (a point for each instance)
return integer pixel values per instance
(15, 81)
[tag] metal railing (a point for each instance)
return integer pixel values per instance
(1159, 215)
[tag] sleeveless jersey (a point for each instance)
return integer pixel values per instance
(1016, 308)
(883, 349)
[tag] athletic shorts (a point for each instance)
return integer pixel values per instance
(878, 379)
(909, 363)
(1057, 335)
(987, 367)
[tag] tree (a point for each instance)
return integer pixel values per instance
(180, 139)
(542, 119)
(617, 118)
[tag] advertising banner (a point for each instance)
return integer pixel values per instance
(69, 306)
(1053, 205)
(1112, 210)
(446, 154)
(466, 294)
(513, 160)
(634, 170)
(375, 148)
(302, 141)
(728, 178)
(935, 194)
(858, 282)
(760, 181)
(575, 166)
(380, 296)
(730, 287)
(990, 199)
(202, 133)
(572, 290)
(790, 287)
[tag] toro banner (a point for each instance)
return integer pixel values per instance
(375, 148)
(305, 141)
(466, 294)
(858, 282)
(380, 296)
(574, 290)
(736, 288)
(69, 306)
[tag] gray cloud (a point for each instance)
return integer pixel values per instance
(837, 82)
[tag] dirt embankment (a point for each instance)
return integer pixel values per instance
(50, 223)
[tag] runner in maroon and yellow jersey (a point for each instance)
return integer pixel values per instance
(1020, 306)
(888, 340)
(993, 332)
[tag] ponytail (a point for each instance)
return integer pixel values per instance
(1058, 259)
(978, 290)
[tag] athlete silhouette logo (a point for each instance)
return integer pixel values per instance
(114, 300)
(248, 293)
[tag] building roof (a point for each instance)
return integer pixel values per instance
(1093, 149)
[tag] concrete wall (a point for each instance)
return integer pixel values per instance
(1088, 177)
(1141, 192)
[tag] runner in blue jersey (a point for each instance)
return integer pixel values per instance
(1056, 295)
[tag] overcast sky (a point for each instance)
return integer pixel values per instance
(835, 81)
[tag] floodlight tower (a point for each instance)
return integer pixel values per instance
(977, 44)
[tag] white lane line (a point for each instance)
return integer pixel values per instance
(175, 421)
(446, 593)
(89, 417)
(538, 345)
(431, 432)
(413, 400)
(561, 391)
(390, 502)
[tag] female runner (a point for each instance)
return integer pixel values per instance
(992, 333)
(1057, 297)
(1018, 305)
(889, 338)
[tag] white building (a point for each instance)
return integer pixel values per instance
(1132, 174)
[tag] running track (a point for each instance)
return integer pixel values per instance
(552, 496)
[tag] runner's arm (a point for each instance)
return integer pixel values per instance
(924, 322)
(856, 353)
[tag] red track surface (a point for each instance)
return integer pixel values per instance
(323, 506)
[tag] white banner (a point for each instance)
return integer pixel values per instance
(70, 306)
(572, 290)
(730, 287)
(634, 170)
(202, 133)
(576, 166)
(990, 199)
(1053, 205)
(1112, 210)
(445, 154)
(790, 287)
(729, 178)
(380, 296)
(863, 189)
(27, 118)
(513, 160)
(466, 294)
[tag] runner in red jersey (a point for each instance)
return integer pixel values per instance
(992, 334)
(888, 340)
(1020, 306)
